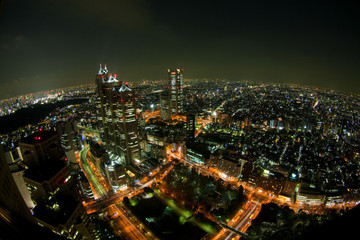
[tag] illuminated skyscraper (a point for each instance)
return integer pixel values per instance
(176, 90)
(116, 110)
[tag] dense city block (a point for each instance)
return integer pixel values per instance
(181, 158)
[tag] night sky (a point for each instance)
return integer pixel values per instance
(48, 44)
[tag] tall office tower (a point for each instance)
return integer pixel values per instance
(85, 188)
(117, 117)
(190, 126)
(42, 148)
(105, 83)
(68, 132)
(70, 140)
(11, 202)
(164, 106)
(52, 187)
(17, 170)
(16, 221)
(176, 90)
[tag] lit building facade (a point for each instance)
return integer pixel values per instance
(291, 187)
(85, 188)
(17, 170)
(271, 181)
(176, 90)
(67, 130)
(117, 177)
(190, 126)
(118, 125)
(197, 153)
(12, 202)
(165, 106)
(16, 220)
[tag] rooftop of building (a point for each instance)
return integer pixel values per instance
(199, 148)
(96, 149)
(38, 137)
(20, 228)
(44, 171)
(16, 167)
(57, 212)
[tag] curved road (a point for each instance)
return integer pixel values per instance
(99, 190)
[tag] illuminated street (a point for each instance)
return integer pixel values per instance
(125, 224)
(98, 189)
(257, 196)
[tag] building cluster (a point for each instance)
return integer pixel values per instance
(295, 142)
(298, 143)
(9, 106)
(47, 188)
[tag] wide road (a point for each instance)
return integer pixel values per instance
(242, 223)
(98, 190)
(126, 224)
(130, 191)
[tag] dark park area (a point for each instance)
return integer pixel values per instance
(33, 114)
(203, 193)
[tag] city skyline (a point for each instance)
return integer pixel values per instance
(48, 45)
(191, 120)
(236, 156)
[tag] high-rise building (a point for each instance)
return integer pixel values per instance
(164, 106)
(190, 126)
(69, 135)
(98, 156)
(41, 148)
(52, 188)
(11, 201)
(84, 187)
(118, 124)
(17, 170)
(176, 90)
(16, 221)
(105, 109)
(117, 177)
(67, 130)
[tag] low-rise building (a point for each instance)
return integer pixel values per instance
(310, 194)
(197, 153)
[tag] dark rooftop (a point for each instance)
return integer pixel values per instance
(200, 148)
(59, 214)
(96, 149)
(44, 171)
(38, 137)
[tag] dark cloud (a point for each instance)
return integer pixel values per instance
(307, 42)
